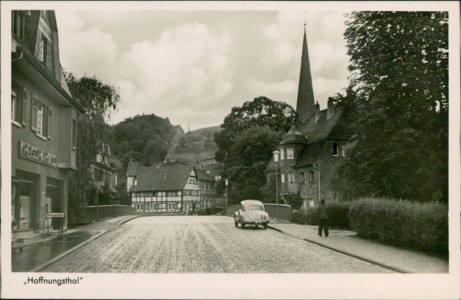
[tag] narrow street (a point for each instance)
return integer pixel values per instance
(203, 244)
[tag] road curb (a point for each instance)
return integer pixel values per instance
(65, 253)
(393, 268)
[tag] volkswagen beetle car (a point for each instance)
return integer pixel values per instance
(251, 212)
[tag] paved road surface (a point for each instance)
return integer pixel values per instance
(203, 244)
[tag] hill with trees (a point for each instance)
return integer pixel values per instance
(197, 145)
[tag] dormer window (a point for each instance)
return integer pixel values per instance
(290, 153)
(18, 23)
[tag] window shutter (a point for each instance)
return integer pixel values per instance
(50, 116)
(24, 106)
(33, 119)
(39, 49)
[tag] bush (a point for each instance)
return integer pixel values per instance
(339, 214)
(300, 217)
(209, 211)
(403, 223)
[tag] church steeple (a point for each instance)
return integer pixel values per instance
(305, 103)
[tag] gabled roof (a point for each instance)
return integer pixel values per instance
(310, 154)
(293, 136)
(203, 175)
(323, 128)
(164, 177)
(132, 169)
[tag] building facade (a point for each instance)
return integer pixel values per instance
(169, 188)
(309, 156)
(104, 173)
(44, 123)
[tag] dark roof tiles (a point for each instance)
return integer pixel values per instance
(166, 177)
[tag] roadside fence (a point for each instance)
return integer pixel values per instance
(283, 213)
(90, 214)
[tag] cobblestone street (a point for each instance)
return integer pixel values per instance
(209, 244)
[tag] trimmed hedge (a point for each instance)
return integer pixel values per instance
(403, 223)
(338, 213)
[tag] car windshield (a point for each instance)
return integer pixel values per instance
(254, 207)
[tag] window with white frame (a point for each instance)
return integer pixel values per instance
(14, 102)
(282, 178)
(18, 104)
(41, 119)
(343, 151)
(282, 154)
(290, 153)
(311, 177)
(40, 111)
(335, 149)
(291, 177)
(18, 23)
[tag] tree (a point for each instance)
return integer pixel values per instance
(262, 111)
(399, 65)
(246, 163)
(99, 100)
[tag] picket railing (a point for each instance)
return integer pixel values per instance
(89, 214)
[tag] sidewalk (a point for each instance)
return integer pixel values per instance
(35, 252)
(347, 242)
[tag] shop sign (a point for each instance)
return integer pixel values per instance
(36, 154)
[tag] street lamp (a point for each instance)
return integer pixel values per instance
(276, 160)
(227, 183)
(135, 183)
(317, 167)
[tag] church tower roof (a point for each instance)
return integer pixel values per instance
(305, 103)
(293, 137)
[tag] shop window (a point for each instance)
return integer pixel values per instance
(290, 153)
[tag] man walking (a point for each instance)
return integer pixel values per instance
(322, 213)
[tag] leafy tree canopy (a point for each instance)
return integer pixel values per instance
(262, 111)
(399, 65)
(144, 138)
(246, 164)
(99, 100)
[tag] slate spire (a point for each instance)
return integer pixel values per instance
(305, 103)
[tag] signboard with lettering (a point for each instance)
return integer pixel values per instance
(36, 154)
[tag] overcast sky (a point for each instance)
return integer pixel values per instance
(194, 66)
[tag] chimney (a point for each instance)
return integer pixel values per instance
(317, 112)
(330, 109)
